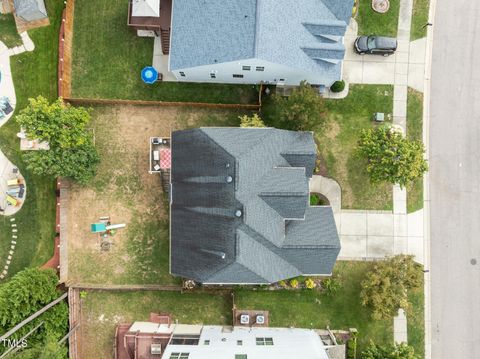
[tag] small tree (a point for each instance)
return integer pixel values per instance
(27, 292)
(385, 287)
(50, 349)
(252, 121)
(303, 110)
(72, 153)
(391, 157)
(397, 351)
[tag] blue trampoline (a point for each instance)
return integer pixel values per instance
(149, 75)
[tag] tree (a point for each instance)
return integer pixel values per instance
(397, 351)
(252, 121)
(385, 287)
(391, 157)
(303, 110)
(64, 127)
(50, 349)
(27, 292)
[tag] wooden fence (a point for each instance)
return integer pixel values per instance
(65, 51)
(91, 101)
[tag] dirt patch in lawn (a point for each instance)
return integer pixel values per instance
(124, 190)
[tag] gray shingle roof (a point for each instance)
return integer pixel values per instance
(278, 31)
(239, 209)
(30, 10)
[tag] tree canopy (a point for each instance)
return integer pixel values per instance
(72, 152)
(26, 293)
(391, 157)
(397, 351)
(385, 287)
(303, 110)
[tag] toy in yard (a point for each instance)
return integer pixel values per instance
(106, 230)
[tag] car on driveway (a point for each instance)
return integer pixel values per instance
(375, 45)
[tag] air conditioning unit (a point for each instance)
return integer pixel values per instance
(244, 319)
(156, 349)
(260, 319)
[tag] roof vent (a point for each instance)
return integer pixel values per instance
(229, 179)
(238, 213)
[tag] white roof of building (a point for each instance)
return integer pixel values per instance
(147, 8)
(287, 343)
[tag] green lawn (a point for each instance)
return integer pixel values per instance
(419, 19)
(373, 23)
(9, 35)
(313, 309)
(108, 58)
(102, 311)
(34, 73)
(416, 321)
(415, 132)
(338, 145)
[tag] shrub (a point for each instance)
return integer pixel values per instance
(396, 351)
(385, 287)
(391, 157)
(303, 110)
(352, 346)
(338, 86)
(252, 121)
(310, 283)
(283, 283)
(294, 283)
(331, 286)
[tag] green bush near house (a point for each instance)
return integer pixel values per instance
(338, 86)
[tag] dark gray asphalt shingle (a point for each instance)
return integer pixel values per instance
(268, 186)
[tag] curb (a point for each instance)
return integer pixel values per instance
(426, 182)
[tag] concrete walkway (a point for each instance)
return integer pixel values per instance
(400, 334)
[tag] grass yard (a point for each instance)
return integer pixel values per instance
(416, 321)
(419, 19)
(338, 143)
(313, 309)
(373, 23)
(9, 35)
(124, 190)
(34, 73)
(415, 132)
(108, 57)
(103, 311)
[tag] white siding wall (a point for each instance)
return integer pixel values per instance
(224, 72)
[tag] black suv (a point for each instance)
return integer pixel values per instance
(375, 45)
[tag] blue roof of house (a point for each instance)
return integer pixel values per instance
(305, 34)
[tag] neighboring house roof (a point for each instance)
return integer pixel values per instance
(239, 211)
(305, 34)
(30, 10)
(146, 8)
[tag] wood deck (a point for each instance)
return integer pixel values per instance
(152, 23)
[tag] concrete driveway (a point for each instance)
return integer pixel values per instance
(405, 67)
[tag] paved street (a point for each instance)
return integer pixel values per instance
(455, 180)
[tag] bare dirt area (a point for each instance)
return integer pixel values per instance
(124, 190)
